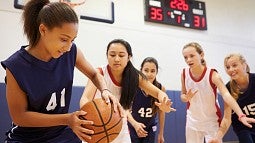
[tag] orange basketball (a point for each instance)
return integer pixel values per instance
(107, 123)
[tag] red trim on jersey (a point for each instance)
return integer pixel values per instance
(214, 87)
(101, 71)
(111, 76)
(200, 78)
(218, 113)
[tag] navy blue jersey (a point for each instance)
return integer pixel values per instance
(142, 112)
(48, 87)
(142, 109)
(246, 101)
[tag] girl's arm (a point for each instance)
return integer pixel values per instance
(224, 126)
(86, 68)
(184, 98)
(152, 90)
(88, 93)
(230, 100)
(139, 127)
(98, 80)
(164, 102)
(186, 95)
(161, 115)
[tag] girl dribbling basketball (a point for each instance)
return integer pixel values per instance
(39, 77)
(123, 80)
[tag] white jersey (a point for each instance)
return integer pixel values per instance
(111, 83)
(115, 88)
(203, 109)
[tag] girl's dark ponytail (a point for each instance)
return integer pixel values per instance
(30, 16)
(51, 14)
(129, 84)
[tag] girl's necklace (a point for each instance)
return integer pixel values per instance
(244, 88)
(240, 89)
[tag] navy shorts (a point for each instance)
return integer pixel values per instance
(246, 137)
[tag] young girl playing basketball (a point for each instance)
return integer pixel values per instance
(142, 118)
(241, 86)
(123, 80)
(39, 77)
(199, 90)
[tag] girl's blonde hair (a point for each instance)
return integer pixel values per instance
(234, 89)
(198, 48)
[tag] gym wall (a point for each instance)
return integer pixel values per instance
(230, 26)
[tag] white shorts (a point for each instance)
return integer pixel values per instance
(195, 136)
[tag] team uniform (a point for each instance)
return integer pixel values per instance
(203, 112)
(115, 88)
(246, 101)
(48, 87)
(142, 112)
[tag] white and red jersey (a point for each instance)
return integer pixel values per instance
(115, 88)
(111, 83)
(203, 109)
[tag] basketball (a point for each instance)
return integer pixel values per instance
(107, 123)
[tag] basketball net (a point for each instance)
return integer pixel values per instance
(73, 3)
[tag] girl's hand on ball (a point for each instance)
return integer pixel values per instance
(106, 121)
(108, 96)
(76, 122)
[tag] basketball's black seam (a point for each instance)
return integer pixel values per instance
(101, 121)
(110, 118)
(109, 128)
